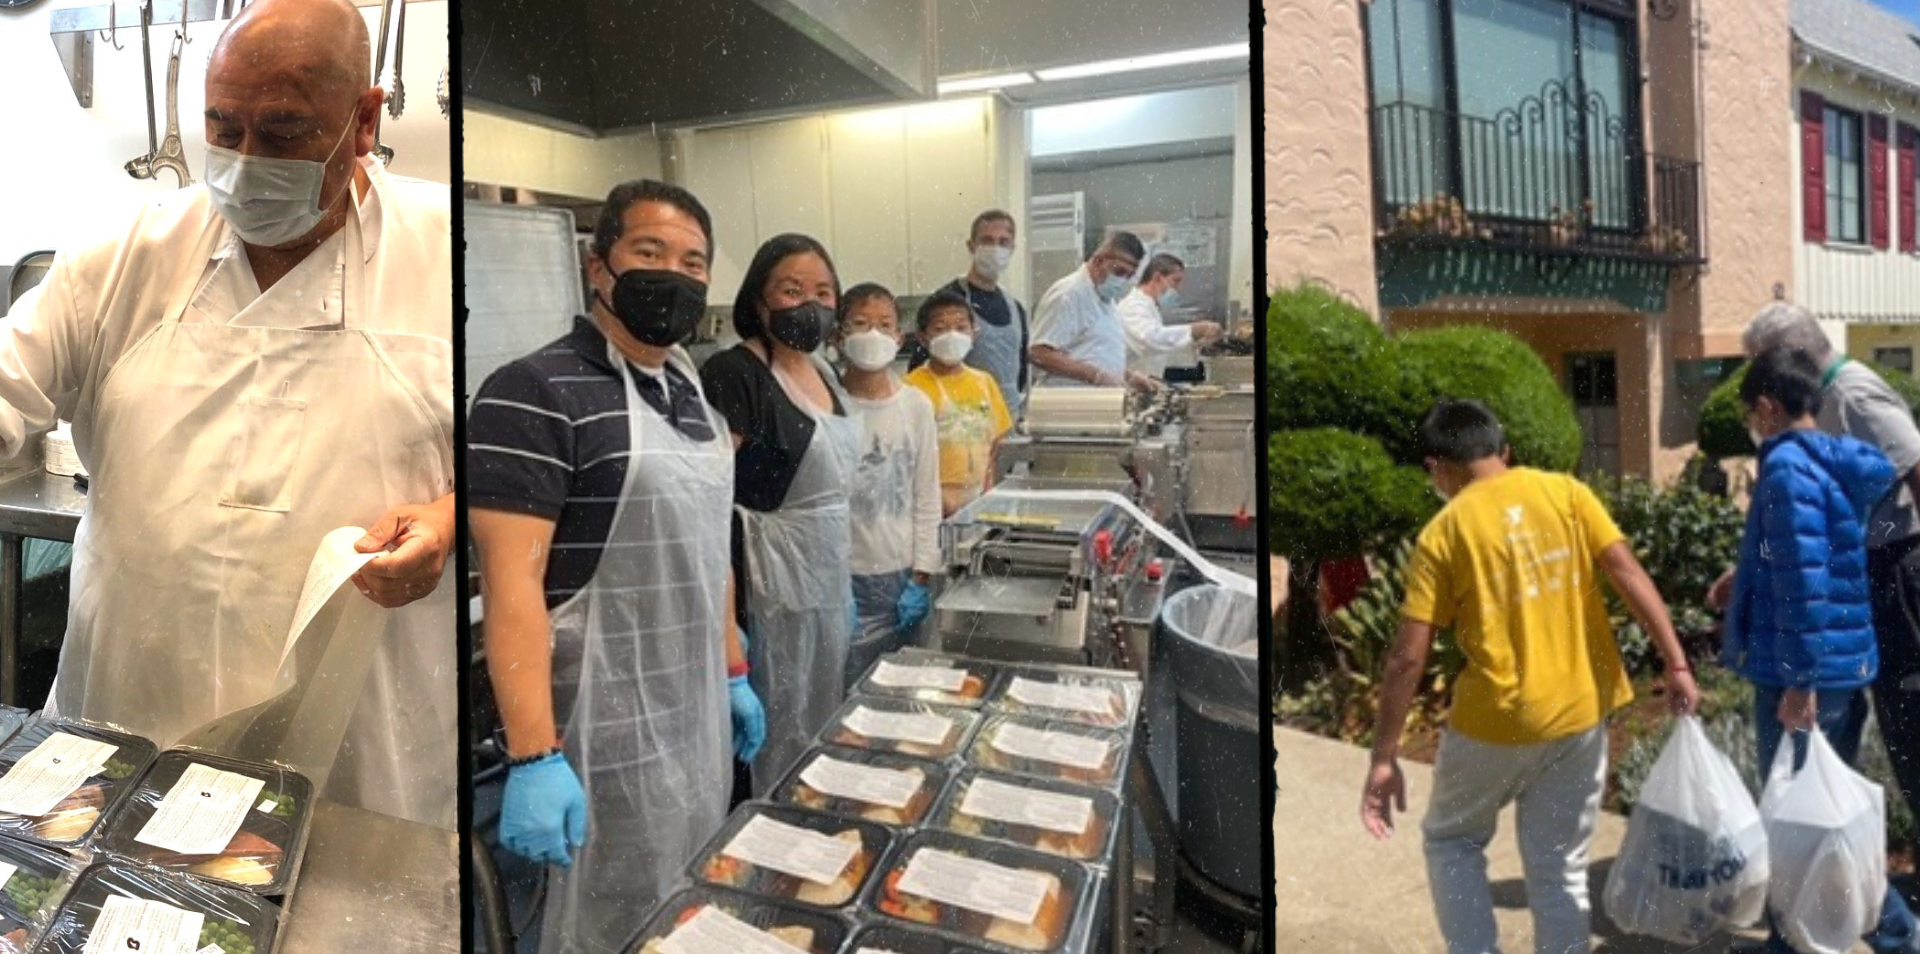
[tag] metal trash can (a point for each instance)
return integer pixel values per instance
(1217, 728)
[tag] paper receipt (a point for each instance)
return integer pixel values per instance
(148, 927)
(922, 727)
(714, 931)
(1059, 748)
(55, 769)
(919, 677)
(1055, 695)
(1053, 811)
(1005, 893)
(334, 563)
(892, 788)
(200, 815)
(792, 850)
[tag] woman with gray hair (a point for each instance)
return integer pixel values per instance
(1858, 404)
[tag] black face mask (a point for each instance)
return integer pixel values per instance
(801, 327)
(660, 308)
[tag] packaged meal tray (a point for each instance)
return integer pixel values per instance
(114, 907)
(983, 893)
(792, 854)
(901, 726)
(241, 824)
(929, 677)
(1050, 749)
(862, 783)
(888, 939)
(34, 879)
(1051, 817)
(1105, 701)
(60, 779)
(704, 920)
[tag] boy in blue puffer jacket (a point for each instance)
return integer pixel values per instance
(1800, 624)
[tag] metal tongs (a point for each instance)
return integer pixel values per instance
(381, 149)
(165, 153)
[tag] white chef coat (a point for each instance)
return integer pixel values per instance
(1150, 342)
(896, 484)
(1074, 319)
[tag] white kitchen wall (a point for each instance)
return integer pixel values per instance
(507, 152)
(1240, 273)
(67, 166)
(1129, 121)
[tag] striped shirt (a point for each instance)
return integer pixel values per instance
(548, 437)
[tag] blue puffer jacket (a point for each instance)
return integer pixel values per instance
(1800, 616)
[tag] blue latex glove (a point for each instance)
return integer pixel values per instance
(916, 601)
(749, 719)
(543, 815)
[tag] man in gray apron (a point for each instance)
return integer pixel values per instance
(1000, 334)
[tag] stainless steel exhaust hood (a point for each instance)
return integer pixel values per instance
(609, 66)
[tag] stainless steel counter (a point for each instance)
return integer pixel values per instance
(371, 882)
(33, 503)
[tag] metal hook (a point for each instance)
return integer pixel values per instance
(113, 23)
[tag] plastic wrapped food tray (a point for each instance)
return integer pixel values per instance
(888, 939)
(783, 852)
(828, 765)
(37, 880)
(776, 928)
(901, 727)
(938, 678)
(1048, 811)
(1050, 749)
(1108, 702)
(79, 816)
(987, 875)
(230, 922)
(262, 855)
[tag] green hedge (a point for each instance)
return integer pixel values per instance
(1500, 370)
(1329, 365)
(1333, 493)
(1723, 429)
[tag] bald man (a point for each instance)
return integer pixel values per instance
(249, 364)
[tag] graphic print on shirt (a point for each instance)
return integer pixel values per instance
(966, 427)
(1540, 562)
(883, 481)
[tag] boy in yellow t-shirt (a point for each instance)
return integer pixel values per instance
(1510, 565)
(967, 407)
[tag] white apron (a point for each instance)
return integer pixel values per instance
(799, 585)
(222, 455)
(640, 683)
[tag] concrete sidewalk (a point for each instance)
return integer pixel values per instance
(1337, 891)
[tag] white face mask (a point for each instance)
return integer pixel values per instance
(1169, 300)
(268, 202)
(991, 260)
(870, 350)
(952, 347)
(1113, 288)
(1753, 434)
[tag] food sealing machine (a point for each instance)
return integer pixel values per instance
(1071, 582)
(1102, 439)
(1220, 501)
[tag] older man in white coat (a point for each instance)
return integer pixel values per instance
(251, 364)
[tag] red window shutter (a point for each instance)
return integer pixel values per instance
(1877, 223)
(1813, 166)
(1905, 172)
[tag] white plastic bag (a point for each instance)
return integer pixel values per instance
(1694, 862)
(1827, 832)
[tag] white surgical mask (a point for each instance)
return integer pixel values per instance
(870, 350)
(991, 260)
(1169, 300)
(952, 347)
(268, 202)
(1113, 288)
(1753, 434)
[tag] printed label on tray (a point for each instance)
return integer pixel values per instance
(1060, 748)
(942, 678)
(892, 788)
(1055, 695)
(55, 769)
(211, 949)
(200, 815)
(791, 850)
(922, 727)
(982, 886)
(266, 806)
(148, 927)
(1054, 811)
(7, 872)
(714, 931)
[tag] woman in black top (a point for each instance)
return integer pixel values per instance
(796, 450)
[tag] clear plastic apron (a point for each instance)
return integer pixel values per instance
(639, 681)
(799, 585)
(221, 455)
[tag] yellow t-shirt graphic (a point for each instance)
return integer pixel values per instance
(970, 416)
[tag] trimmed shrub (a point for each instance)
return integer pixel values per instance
(1333, 494)
(1499, 370)
(1723, 428)
(1684, 536)
(1329, 365)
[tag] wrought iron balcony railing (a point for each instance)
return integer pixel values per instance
(1552, 174)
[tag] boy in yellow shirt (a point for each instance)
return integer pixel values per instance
(1509, 564)
(967, 407)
